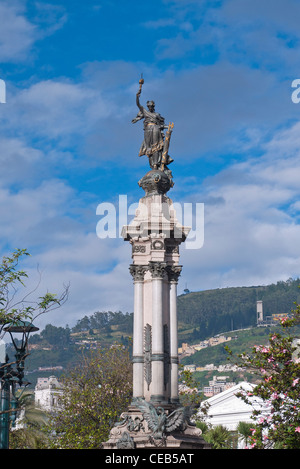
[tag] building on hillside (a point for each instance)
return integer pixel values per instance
(191, 368)
(259, 313)
(217, 385)
(219, 339)
(47, 392)
(186, 350)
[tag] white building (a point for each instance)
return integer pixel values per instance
(228, 410)
(47, 392)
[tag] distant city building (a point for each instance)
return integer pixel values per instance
(187, 350)
(217, 385)
(50, 368)
(277, 317)
(47, 393)
(259, 312)
(271, 320)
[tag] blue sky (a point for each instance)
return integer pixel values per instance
(220, 70)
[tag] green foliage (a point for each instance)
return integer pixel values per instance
(219, 437)
(57, 336)
(189, 395)
(104, 320)
(96, 392)
(244, 429)
(11, 278)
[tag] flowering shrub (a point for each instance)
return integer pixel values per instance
(279, 389)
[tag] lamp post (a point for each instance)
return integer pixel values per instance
(11, 375)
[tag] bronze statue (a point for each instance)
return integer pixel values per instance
(155, 145)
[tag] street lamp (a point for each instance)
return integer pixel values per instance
(11, 375)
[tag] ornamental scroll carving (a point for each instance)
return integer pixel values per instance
(138, 248)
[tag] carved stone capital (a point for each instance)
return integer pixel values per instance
(137, 272)
(174, 272)
(172, 249)
(157, 269)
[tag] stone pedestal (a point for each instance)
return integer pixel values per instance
(133, 432)
(155, 418)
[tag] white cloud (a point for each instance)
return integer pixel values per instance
(17, 34)
(253, 237)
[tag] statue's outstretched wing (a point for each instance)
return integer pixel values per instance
(177, 418)
(149, 413)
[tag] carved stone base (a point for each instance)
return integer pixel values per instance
(133, 433)
(156, 182)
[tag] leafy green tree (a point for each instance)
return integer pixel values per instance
(96, 392)
(11, 279)
(188, 389)
(189, 396)
(56, 336)
(244, 429)
(219, 437)
(278, 366)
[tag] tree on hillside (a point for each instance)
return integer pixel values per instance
(278, 366)
(57, 336)
(96, 392)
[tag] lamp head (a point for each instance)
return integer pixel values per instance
(20, 327)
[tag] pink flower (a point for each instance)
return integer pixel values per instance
(295, 382)
(297, 429)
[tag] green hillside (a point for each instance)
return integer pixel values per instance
(211, 312)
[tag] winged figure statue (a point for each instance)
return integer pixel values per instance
(159, 422)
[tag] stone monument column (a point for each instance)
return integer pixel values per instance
(157, 270)
(173, 274)
(155, 418)
(138, 272)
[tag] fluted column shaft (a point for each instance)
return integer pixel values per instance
(173, 274)
(138, 353)
(157, 270)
